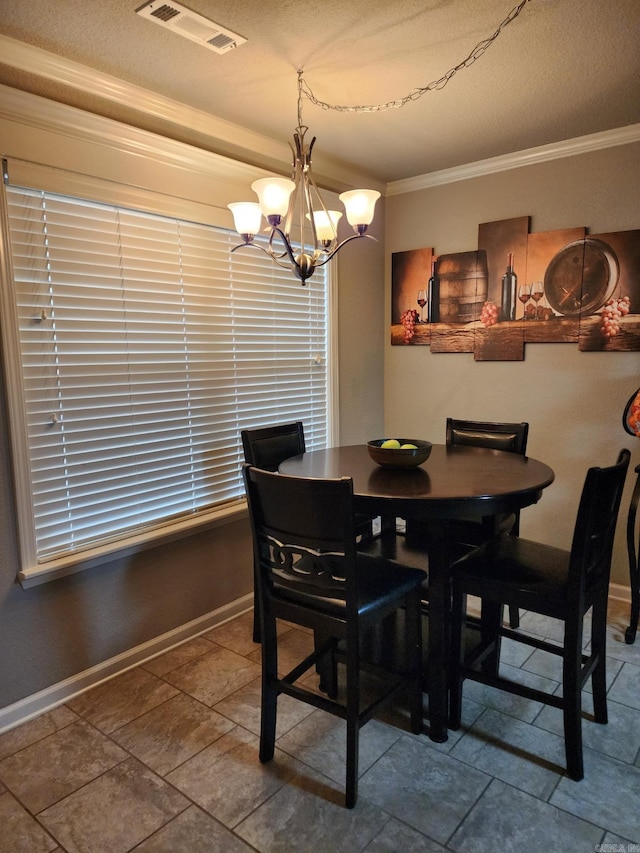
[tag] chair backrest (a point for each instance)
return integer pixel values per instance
(498, 436)
(596, 524)
(267, 447)
(303, 535)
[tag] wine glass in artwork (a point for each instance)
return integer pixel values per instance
(422, 301)
(537, 292)
(524, 295)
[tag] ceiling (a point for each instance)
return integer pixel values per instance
(560, 70)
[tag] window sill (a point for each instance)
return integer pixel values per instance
(99, 556)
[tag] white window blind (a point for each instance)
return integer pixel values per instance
(145, 347)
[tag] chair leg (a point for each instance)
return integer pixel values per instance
(490, 623)
(330, 684)
(256, 605)
(459, 606)
(353, 722)
(269, 690)
(572, 700)
(256, 618)
(514, 617)
(327, 666)
(599, 646)
(413, 646)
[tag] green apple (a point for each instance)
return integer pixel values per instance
(408, 447)
(391, 444)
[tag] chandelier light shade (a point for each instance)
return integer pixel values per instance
(303, 234)
(273, 197)
(360, 207)
(247, 218)
(326, 223)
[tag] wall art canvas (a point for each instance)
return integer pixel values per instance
(519, 288)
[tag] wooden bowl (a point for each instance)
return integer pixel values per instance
(400, 457)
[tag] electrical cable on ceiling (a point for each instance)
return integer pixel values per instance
(475, 54)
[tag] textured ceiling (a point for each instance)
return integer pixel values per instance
(562, 69)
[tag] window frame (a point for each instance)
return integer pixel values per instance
(94, 188)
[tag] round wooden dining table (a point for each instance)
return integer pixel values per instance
(454, 482)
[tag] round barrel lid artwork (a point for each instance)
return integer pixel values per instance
(581, 277)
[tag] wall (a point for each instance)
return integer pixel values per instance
(572, 400)
(361, 328)
(64, 635)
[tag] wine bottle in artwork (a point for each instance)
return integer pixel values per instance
(509, 291)
(433, 305)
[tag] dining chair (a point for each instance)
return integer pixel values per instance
(552, 582)
(267, 447)
(468, 533)
(311, 574)
(511, 437)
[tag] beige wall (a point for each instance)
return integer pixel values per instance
(572, 400)
(361, 325)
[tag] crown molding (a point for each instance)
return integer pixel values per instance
(242, 142)
(238, 142)
(49, 66)
(36, 111)
(528, 157)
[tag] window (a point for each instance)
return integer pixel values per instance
(143, 347)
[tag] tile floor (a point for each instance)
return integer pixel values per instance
(164, 758)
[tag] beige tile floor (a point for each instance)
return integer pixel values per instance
(165, 758)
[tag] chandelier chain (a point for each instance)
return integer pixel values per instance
(476, 53)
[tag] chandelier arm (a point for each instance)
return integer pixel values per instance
(344, 243)
(307, 207)
(283, 236)
(276, 230)
(311, 189)
(275, 258)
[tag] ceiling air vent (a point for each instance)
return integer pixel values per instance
(192, 26)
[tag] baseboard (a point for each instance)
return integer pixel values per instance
(620, 592)
(45, 700)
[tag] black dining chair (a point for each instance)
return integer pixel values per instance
(552, 582)
(311, 574)
(468, 533)
(511, 437)
(496, 435)
(267, 447)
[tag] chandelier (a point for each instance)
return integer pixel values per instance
(296, 203)
(288, 203)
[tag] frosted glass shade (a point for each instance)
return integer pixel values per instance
(326, 222)
(247, 216)
(273, 195)
(359, 206)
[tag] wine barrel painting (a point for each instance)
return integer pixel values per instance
(463, 280)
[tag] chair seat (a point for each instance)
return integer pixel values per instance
(515, 570)
(378, 588)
